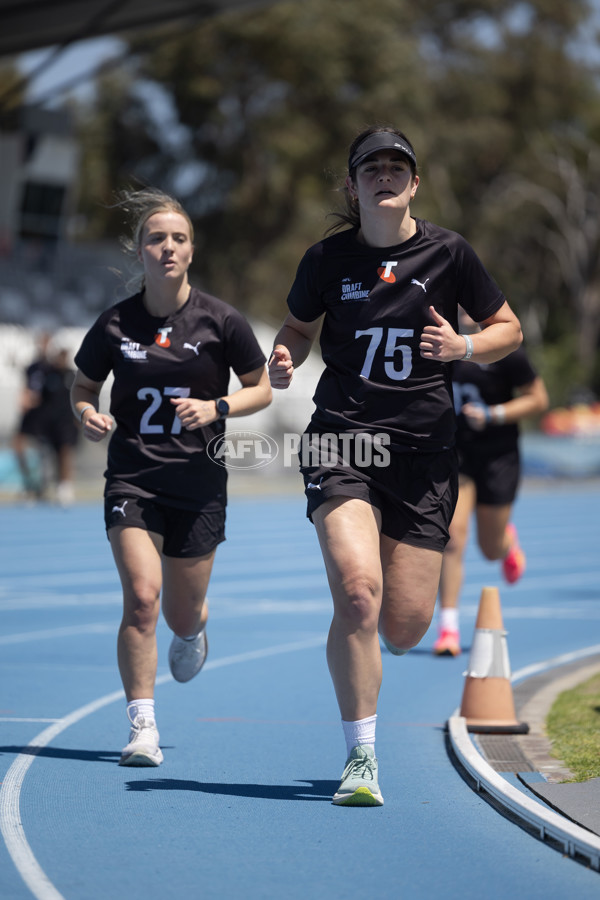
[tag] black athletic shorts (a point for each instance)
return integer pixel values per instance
(30, 423)
(59, 434)
(186, 533)
(496, 475)
(415, 492)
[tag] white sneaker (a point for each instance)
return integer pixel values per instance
(65, 494)
(186, 658)
(142, 749)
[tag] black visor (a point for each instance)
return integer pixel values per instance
(381, 140)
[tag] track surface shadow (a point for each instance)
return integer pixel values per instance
(306, 790)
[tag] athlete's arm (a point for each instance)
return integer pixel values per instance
(531, 400)
(254, 394)
(291, 348)
(500, 335)
(86, 393)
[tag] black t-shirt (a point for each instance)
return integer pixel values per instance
(376, 303)
(56, 395)
(187, 354)
(35, 377)
(490, 384)
(56, 422)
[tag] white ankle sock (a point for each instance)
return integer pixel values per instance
(362, 731)
(449, 618)
(144, 708)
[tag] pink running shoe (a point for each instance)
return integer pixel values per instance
(513, 564)
(448, 643)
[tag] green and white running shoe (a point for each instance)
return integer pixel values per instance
(359, 786)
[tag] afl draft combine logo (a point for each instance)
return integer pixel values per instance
(242, 450)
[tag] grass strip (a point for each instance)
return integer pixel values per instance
(573, 726)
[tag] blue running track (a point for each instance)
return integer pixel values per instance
(241, 807)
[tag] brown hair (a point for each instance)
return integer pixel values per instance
(350, 215)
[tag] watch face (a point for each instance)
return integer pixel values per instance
(223, 408)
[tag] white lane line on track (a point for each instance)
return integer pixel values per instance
(536, 668)
(23, 719)
(67, 631)
(24, 601)
(234, 605)
(309, 577)
(11, 826)
(57, 579)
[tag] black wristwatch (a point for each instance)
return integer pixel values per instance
(222, 408)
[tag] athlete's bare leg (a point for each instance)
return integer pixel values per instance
(348, 531)
(452, 574)
(491, 530)
(410, 585)
(185, 583)
(137, 554)
(65, 463)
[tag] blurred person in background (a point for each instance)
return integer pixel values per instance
(490, 400)
(26, 438)
(171, 349)
(58, 431)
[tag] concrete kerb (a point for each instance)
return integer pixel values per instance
(575, 840)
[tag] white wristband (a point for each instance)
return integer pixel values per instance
(469, 346)
(499, 413)
(83, 409)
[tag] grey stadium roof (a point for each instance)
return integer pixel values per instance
(33, 24)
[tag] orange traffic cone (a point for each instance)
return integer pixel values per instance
(487, 702)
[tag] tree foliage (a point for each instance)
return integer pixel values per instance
(252, 114)
(12, 94)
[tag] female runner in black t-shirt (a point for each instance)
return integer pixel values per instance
(385, 293)
(170, 349)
